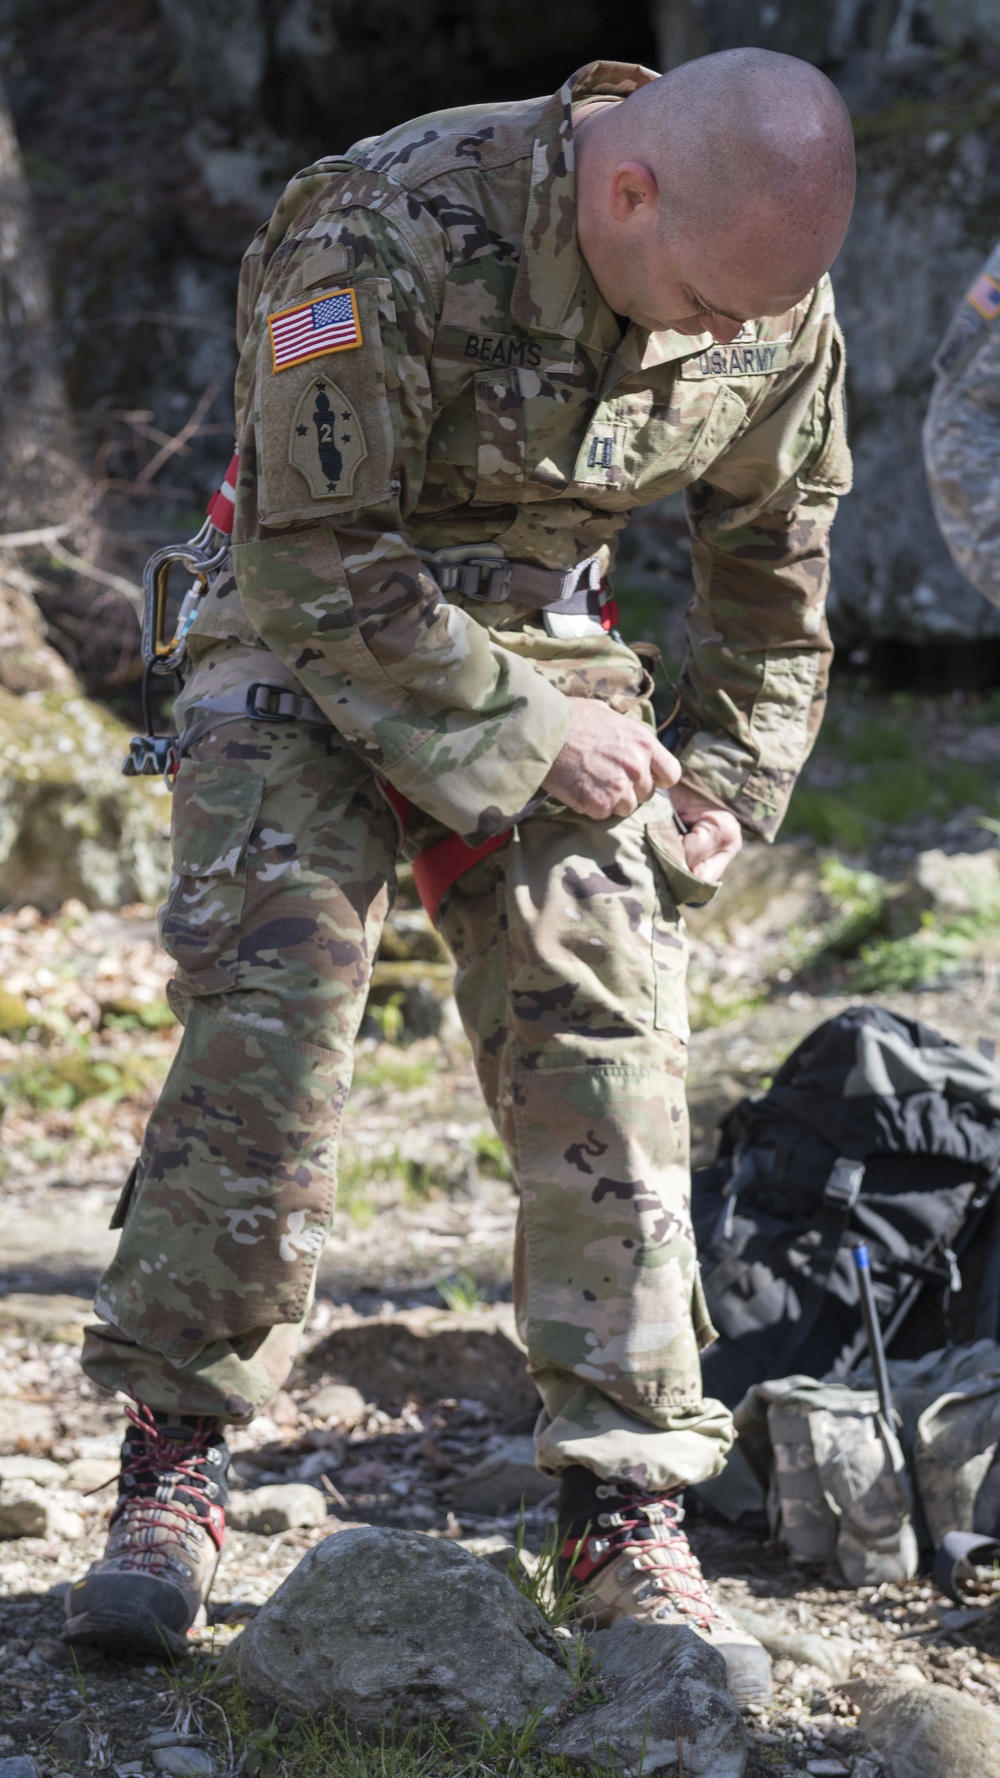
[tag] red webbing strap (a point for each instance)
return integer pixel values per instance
(440, 865)
(222, 506)
(435, 870)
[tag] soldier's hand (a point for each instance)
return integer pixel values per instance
(714, 835)
(608, 764)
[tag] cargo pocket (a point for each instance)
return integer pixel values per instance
(214, 811)
(679, 888)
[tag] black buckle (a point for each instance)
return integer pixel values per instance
(485, 583)
(151, 756)
(273, 703)
(843, 1188)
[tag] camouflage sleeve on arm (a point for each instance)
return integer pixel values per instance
(758, 650)
(962, 433)
(332, 458)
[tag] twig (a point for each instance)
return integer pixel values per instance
(102, 577)
(187, 431)
(24, 539)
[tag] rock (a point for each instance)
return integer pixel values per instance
(71, 827)
(184, 1762)
(21, 1765)
(503, 1480)
(282, 1506)
(927, 1731)
(945, 884)
(44, 1317)
(384, 1624)
(87, 1474)
(833, 1655)
(338, 1402)
(25, 1423)
(665, 1703)
(430, 1354)
(26, 1510)
(409, 937)
(417, 997)
(27, 661)
(71, 1742)
(33, 1469)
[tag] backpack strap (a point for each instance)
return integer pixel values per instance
(840, 1194)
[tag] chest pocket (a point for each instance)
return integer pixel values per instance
(501, 457)
(643, 443)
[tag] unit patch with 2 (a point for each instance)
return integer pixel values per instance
(326, 443)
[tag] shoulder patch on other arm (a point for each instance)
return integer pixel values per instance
(324, 426)
(971, 321)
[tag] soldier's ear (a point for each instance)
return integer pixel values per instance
(632, 191)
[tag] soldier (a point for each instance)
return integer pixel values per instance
(469, 348)
(962, 433)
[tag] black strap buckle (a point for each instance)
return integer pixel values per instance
(274, 703)
(484, 582)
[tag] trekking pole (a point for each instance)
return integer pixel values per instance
(873, 1332)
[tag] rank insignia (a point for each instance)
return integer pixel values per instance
(311, 330)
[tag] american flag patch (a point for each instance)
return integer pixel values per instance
(310, 330)
(985, 296)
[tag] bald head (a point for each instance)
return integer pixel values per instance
(732, 176)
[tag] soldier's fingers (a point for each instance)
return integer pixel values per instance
(627, 803)
(665, 768)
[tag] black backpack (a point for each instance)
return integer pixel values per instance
(876, 1129)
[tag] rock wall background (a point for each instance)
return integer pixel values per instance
(155, 138)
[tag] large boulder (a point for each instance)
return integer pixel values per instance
(927, 1731)
(71, 827)
(662, 1707)
(394, 1625)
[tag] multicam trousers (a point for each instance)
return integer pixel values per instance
(570, 956)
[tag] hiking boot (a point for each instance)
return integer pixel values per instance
(626, 1553)
(166, 1533)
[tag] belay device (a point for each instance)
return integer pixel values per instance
(152, 755)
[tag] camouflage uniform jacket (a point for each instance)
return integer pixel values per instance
(479, 391)
(962, 433)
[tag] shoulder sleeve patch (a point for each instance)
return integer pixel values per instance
(972, 320)
(323, 424)
(313, 329)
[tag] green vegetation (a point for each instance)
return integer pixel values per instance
(59, 1083)
(462, 1293)
(491, 1156)
(328, 1747)
(937, 949)
(886, 773)
(396, 1072)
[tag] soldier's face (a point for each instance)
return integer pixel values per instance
(711, 282)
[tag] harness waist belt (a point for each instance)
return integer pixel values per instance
(488, 581)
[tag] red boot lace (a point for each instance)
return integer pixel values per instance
(648, 1527)
(176, 1463)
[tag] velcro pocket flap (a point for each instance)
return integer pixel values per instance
(686, 889)
(214, 810)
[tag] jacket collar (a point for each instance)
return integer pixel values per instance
(554, 292)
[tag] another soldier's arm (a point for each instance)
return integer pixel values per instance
(962, 434)
(333, 458)
(754, 684)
